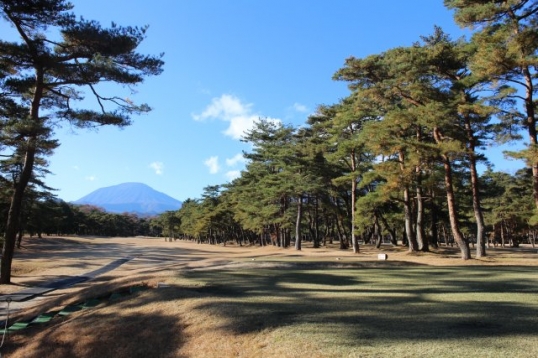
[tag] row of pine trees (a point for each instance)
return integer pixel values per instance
(399, 157)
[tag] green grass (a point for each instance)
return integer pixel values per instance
(400, 312)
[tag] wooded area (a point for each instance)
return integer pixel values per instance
(397, 160)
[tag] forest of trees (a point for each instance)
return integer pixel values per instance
(398, 160)
(46, 216)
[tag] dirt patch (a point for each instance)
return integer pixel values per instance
(44, 259)
(73, 255)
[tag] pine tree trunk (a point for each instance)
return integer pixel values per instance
(20, 186)
(503, 225)
(354, 241)
(298, 223)
(12, 225)
(341, 234)
(433, 217)
(452, 211)
(378, 233)
(451, 201)
(422, 243)
(411, 239)
(392, 231)
(479, 217)
(531, 128)
(316, 224)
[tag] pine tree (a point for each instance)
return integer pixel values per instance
(506, 37)
(57, 56)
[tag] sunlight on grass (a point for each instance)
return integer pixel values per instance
(328, 312)
(403, 312)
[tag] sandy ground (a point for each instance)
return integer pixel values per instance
(52, 258)
(44, 259)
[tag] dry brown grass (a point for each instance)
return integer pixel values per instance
(239, 302)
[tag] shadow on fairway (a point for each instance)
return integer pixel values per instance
(122, 329)
(390, 303)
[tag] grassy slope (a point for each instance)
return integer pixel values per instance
(260, 311)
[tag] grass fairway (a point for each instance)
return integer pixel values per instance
(363, 312)
(417, 311)
(263, 304)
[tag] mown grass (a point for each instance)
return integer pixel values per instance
(418, 311)
(255, 311)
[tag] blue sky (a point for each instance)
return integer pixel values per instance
(228, 62)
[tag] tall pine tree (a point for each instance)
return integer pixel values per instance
(56, 57)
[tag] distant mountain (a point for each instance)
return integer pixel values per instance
(132, 198)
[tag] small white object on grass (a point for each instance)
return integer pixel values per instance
(382, 256)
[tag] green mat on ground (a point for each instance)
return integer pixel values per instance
(18, 326)
(91, 303)
(46, 317)
(70, 309)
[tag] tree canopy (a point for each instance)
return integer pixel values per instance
(399, 158)
(57, 60)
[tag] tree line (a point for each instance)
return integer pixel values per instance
(44, 215)
(399, 157)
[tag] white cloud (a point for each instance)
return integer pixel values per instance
(239, 125)
(300, 107)
(230, 109)
(238, 158)
(213, 165)
(158, 167)
(225, 107)
(232, 174)
(91, 178)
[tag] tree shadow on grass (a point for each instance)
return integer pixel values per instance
(360, 308)
(117, 330)
(449, 303)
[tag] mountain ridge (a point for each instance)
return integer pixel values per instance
(131, 197)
